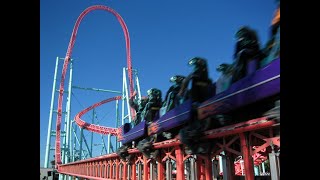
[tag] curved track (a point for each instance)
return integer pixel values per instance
(91, 127)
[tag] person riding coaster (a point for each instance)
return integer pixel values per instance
(171, 100)
(247, 49)
(201, 89)
(200, 82)
(151, 106)
(149, 114)
(138, 106)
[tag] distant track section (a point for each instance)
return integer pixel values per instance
(93, 127)
(66, 62)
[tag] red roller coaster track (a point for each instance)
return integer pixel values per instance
(91, 127)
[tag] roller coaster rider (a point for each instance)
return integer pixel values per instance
(153, 105)
(171, 100)
(148, 109)
(200, 82)
(138, 105)
(247, 49)
(149, 114)
(201, 90)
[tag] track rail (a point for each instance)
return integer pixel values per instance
(110, 166)
(93, 127)
(64, 70)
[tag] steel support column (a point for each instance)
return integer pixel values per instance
(193, 169)
(133, 171)
(248, 160)
(145, 168)
(160, 167)
(208, 168)
(179, 163)
(117, 168)
(274, 166)
(125, 170)
(215, 169)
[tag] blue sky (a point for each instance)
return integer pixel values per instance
(163, 35)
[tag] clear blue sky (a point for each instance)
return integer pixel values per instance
(163, 34)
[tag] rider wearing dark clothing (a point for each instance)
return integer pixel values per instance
(201, 90)
(153, 105)
(171, 100)
(138, 105)
(247, 49)
(149, 115)
(200, 81)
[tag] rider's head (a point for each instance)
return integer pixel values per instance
(197, 61)
(154, 92)
(243, 31)
(177, 79)
(223, 67)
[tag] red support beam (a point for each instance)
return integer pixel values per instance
(111, 170)
(179, 163)
(251, 125)
(125, 170)
(208, 168)
(92, 169)
(198, 165)
(96, 165)
(230, 165)
(100, 169)
(110, 174)
(85, 168)
(149, 169)
(160, 169)
(105, 168)
(202, 177)
(248, 160)
(145, 168)
(117, 168)
(167, 144)
(133, 172)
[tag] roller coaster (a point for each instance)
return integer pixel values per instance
(250, 104)
(259, 87)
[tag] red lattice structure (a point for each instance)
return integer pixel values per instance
(249, 135)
